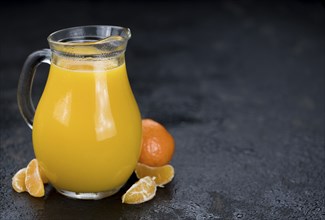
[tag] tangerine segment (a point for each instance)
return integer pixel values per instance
(33, 181)
(157, 144)
(163, 174)
(18, 181)
(141, 191)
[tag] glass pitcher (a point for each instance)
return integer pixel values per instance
(87, 127)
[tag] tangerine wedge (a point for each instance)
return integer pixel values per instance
(163, 174)
(33, 180)
(18, 181)
(141, 191)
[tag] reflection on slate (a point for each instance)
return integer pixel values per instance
(240, 85)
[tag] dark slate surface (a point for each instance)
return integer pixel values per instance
(239, 85)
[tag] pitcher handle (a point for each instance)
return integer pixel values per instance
(24, 93)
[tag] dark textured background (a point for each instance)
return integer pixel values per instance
(240, 85)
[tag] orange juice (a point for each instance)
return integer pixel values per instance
(87, 128)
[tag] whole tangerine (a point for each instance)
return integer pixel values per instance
(157, 144)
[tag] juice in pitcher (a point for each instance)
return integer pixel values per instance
(87, 126)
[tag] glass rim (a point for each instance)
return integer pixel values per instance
(126, 36)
